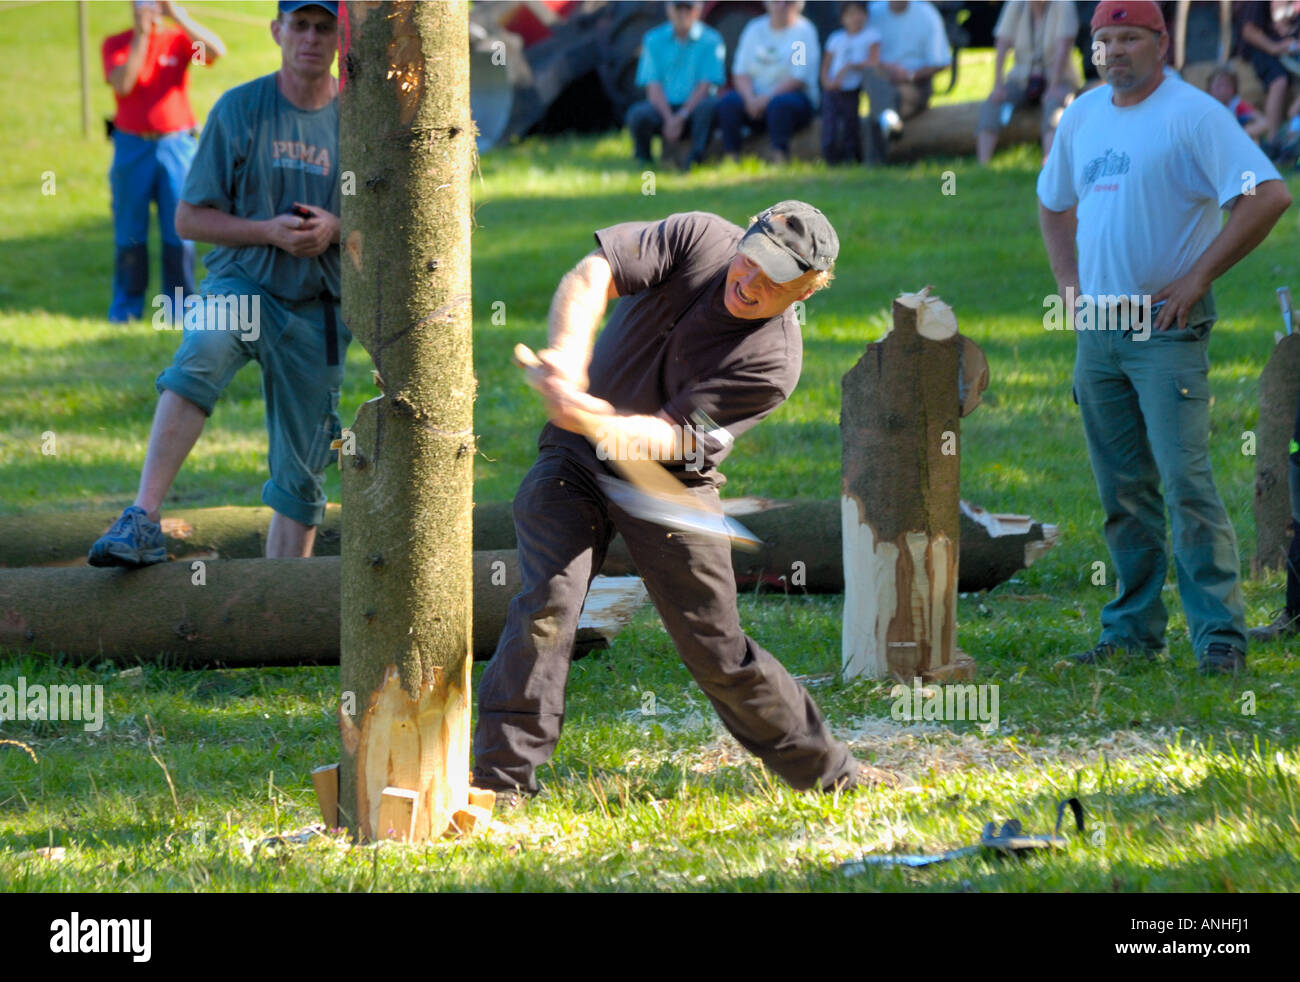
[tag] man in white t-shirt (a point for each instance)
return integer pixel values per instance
(774, 79)
(1144, 165)
(913, 49)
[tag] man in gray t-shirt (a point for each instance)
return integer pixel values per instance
(264, 188)
(703, 345)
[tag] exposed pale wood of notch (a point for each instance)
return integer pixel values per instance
(326, 781)
(398, 811)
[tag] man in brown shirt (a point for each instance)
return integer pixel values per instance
(703, 344)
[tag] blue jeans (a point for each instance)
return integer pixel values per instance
(146, 171)
(785, 114)
(644, 122)
(1146, 416)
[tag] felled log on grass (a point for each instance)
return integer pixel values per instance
(899, 424)
(242, 612)
(1279, 391)
(801, 540)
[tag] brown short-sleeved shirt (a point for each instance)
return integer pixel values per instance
(670, 343)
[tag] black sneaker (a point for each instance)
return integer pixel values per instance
(1221, 658)
(1095, 656)
(1284, 625)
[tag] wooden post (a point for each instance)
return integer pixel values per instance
(1279, 391)
(406, 133)
(83, 52)
(900, 515)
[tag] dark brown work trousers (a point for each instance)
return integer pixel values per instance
(564, 524)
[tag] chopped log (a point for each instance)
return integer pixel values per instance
(899, 422)
(326, 782)
(398, 809)
(1279, 392)
(247, 612)
(994, 547)
(949, 131)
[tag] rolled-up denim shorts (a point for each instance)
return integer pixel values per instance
(237, 322)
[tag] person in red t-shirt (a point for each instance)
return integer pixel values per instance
(153, 144)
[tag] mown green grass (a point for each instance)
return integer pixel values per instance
(1185, 790)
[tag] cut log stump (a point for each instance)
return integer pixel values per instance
(901, 515)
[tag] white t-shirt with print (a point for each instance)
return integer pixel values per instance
(770, 57)
(850, 49)
(1149, 182)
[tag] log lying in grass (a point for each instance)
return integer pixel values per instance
(243, 612)
(993, 547)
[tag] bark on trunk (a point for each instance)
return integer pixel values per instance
(242, 612)
(1279, 391)
(405, 129)
(901, 516)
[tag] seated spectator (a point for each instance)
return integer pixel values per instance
(848, 53)
(1222, 84)
(1269, 31)
(775, 79)
(1042, 36)
(682, 64)
(913, 49)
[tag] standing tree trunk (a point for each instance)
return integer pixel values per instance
(1278, 393)
(407, 490)
(899, 422)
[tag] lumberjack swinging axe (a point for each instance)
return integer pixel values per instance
(648, 491)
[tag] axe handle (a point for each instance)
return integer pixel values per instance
(648, 475)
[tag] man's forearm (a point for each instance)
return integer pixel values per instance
(654, 92)
(744, 85)
(929, 71)
(698, 95)
(204, 224)
(123, 78)
(1000, 62)
(1251, 219)
(641, 437)
(212, 46)
(577, 310)
(1058, 229)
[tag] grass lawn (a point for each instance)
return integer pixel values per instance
(1190, 783)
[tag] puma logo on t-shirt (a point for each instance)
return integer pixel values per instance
(296, 155)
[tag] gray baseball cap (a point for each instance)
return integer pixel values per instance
(789, 239)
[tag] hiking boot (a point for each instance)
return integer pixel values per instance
(1105, 651)
(1284, 625)
(132, 541)
(1221, 658)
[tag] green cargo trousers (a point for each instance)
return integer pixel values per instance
(1145, 401)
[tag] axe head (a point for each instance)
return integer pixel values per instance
(679, 513)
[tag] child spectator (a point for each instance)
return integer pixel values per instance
(848, 52)
(1222, 84)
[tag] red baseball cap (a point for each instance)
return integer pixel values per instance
(1128, 13)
